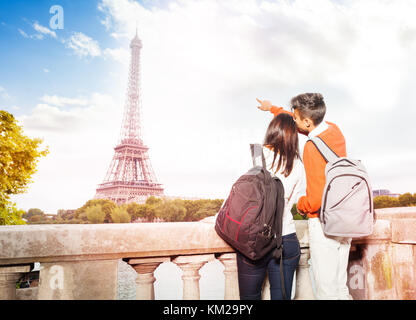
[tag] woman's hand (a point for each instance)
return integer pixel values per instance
(265, 105)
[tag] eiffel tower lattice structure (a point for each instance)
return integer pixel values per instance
(130, 177)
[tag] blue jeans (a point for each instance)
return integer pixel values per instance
(251, 274)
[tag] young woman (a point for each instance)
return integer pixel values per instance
(281, 150)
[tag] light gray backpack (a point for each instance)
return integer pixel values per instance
(347, 208)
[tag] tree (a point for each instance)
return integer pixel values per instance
(95, 214)
(35, 219)
(209, 209)
(150, 207)
(192, 207)
(406, 200)
(33, 212)
(19, 155)
(153, 201)
(171, 210)
(120, 215)
(105, 204)
(34, 215)
(135, 210)
(149, 212)
(66, 215)
(10, 215)
(385, 202)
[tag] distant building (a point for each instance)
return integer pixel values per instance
(381, 192)
(385, 192)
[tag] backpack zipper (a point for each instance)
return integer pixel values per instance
(342, 165)
(352, 189)
(329, 188)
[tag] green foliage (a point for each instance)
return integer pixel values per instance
(153, 201)
(33, 212)
(120, 215)
(142, 211)
(95, 214)
(171, 210)
(102, 211)
(208, 209)
(407, 200)
(149, 211)
(10, 215)
(66, 215)
(19, 155)
(201, 208)
(135, 210)
(106, 206)
(385, 202)
(35, 216)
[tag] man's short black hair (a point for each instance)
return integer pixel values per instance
(310, 105)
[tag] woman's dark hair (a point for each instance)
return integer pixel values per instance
(282, 136)
(310, 105)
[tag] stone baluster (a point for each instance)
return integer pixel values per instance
(304, 290)
(231, 276)
(190, 266)
(8, 279)
(145, 268)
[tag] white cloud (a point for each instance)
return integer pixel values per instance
(83, 45)
(203, 63)
(81, 141)
(24, 34)
(62, 101)
(37, 36)
(3, 93)
(43, 30)
(118, 54)
(212, 59)
(11, 109)
(46, 70)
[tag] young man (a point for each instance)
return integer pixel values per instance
(329, 255)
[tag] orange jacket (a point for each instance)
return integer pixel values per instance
(315, 164)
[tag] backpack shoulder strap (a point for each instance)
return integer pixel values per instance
(256, 154)
(327, 153)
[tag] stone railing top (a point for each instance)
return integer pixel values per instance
(403, 231)
(47, 243)
(44, 243)
(392, 213)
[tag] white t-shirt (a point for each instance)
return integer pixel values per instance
(294, 185)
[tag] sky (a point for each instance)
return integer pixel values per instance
(203, 64)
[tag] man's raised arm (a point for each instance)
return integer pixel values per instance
(266, 105)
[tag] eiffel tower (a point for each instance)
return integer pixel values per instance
(130, 177)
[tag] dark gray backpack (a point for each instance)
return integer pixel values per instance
(347, 202)
(250, 219)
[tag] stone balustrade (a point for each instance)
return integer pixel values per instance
(382, 266)
(81, 261)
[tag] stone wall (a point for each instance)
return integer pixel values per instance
(80, 261)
